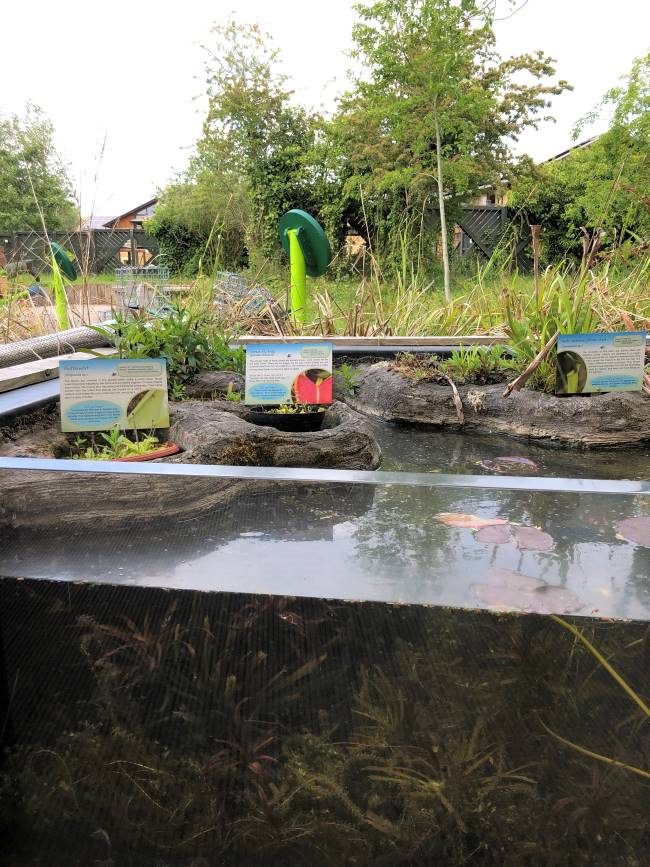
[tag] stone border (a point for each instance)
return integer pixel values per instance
(605, 420)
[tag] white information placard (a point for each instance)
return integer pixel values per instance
(592, 363)
(106, 393)
(295, 372)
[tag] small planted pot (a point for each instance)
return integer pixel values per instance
(294, 422)
(164, 451)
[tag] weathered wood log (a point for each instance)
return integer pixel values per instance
(603, 420)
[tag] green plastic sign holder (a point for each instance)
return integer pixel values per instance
(64, 262)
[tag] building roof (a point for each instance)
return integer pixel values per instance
(94, 222)
(141, 212)
(575, 147)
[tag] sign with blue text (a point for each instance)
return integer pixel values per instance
(278, 373)
(107, 393)
(592, 363)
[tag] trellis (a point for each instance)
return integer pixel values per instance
(96, 250)
(486, 226)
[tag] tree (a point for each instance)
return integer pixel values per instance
(201, 220)
(434, 106)
(602, 186)
(28, 158)
(254, 130)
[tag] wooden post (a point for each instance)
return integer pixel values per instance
(535, 231)
(134, 249)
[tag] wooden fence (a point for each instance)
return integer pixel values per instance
(96, 250)
(486, 226)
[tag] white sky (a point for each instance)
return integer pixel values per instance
(133, 73)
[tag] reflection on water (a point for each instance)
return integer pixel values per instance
(362, 542)
(410, 448)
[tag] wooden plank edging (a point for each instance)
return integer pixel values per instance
(39, 370)
(338, 340)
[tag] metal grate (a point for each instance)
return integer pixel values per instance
(144, 288)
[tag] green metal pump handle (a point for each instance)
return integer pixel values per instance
(306, 244)
(298, 277)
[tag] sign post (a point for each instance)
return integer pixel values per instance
(282, 373)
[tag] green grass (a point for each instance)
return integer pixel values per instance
(493, 301)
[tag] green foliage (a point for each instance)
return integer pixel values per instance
(188, 338)
(350, 377)
(60, 298)
(563, 305)
(177, 391)
(231, 395)
(429, 69)
(480, 365)
(295, 409)
(113, 444)
(28, 157)
(253, 129)
(468, 365)
(251, 162)
(603, 185)
(201, 221)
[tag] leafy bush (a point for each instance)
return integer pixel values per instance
(189, 340)
(603, 185)
(200, 223)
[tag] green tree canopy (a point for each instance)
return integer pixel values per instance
(603, 185)
(434, 107)
(27, 152)
(202, 220)
(253, 127)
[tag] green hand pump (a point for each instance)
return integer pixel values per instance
(306, 244)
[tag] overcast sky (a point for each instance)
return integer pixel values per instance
(131, 73)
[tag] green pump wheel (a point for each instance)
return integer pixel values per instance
(64, 262)
(311, 238)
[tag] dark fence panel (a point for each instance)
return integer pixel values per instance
(486, 226)
(96, 250)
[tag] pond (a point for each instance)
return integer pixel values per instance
(295, 716)
(415, 449)
(559, 550)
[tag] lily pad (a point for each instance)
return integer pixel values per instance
(495, 534)
(511, 466)
(469, 522)
(513, 591)
(635, 530)
(532, 539)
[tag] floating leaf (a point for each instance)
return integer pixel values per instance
(512, 466)
(469, 522)
(498, 534)
(513, 591)
(532, 539)
(634, 530)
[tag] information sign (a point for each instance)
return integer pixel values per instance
(106, 393)
(588, 363)
(278, 373)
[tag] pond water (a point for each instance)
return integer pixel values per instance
(409, 448)
(175, 713)
(390, 541)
